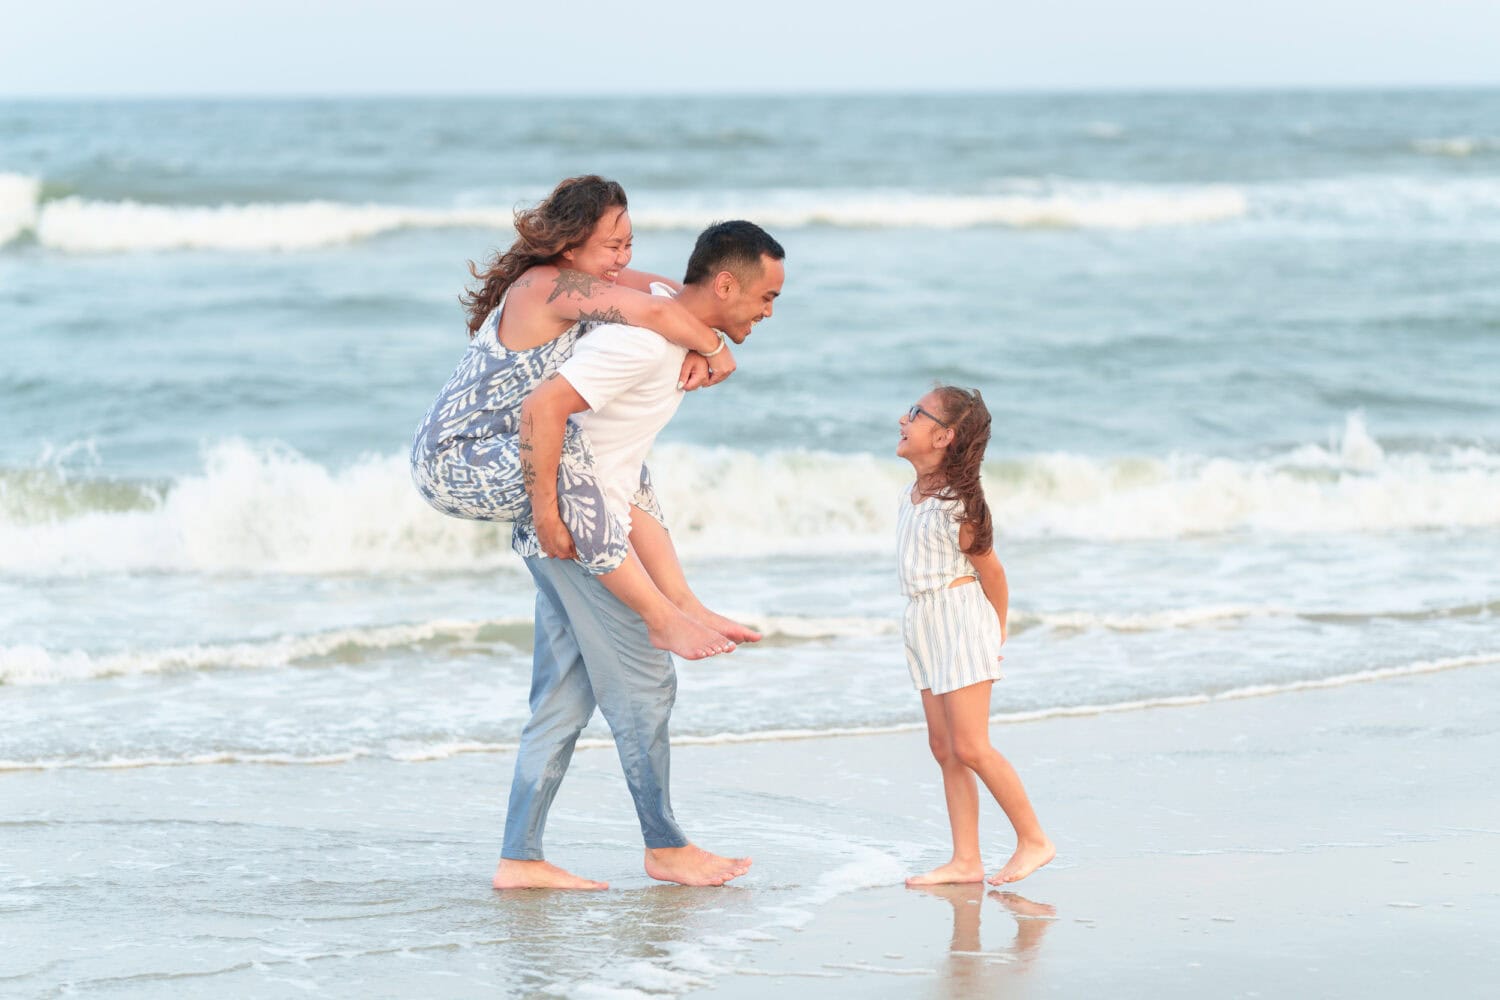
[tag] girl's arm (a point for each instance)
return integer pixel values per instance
(991, 577)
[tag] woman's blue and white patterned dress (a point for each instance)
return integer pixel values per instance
(465, 460)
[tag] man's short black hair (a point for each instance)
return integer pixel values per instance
(734, 246)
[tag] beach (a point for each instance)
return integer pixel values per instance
(259, 702)
(1332, 842)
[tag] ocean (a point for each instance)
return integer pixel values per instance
(1242, 353)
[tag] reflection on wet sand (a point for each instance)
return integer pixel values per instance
(534, 932)
(970, 969)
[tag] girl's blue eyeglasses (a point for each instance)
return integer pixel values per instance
(916, 411)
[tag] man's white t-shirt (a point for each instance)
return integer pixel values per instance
(628, 376)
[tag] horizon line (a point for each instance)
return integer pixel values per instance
(1121, 90)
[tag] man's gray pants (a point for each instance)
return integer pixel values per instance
(591, 649)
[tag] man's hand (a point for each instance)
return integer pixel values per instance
(554, 538)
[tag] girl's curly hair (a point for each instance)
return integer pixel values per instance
(969, 419)
(562, 221)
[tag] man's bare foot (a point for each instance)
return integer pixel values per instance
(1027, 859)
(513, 874)
(953, 873)
(686, 638)
(692, 865)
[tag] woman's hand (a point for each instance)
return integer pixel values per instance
(699, 372)
(721, 365)
(554, 538)
(694, 372)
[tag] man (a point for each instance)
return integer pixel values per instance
(621, 387)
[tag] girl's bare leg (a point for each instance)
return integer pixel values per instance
(962, 795)
(667, 626)
(968, 714)
(653, 544)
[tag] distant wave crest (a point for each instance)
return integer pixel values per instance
(19, 199)
(1459, 146)
(78, 224)
(81, 225)
(257, 508)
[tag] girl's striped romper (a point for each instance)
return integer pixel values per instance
(952, 634)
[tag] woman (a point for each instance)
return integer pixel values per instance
(565, 272)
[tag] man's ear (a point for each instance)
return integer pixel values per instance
(725, 283)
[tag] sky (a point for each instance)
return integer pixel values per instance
(69, 48)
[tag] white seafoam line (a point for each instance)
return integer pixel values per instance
(32, 665)
(90, 226)
(261, 508)
(447, 750)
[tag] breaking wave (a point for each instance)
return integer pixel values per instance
(259, 508)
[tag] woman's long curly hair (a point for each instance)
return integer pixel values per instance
(562, 221)
(969, 419)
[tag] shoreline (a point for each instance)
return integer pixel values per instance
(1332, 841)
(1336, 842)
(603, 742)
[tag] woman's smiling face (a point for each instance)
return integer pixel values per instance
(608, 249)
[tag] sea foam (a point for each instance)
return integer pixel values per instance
(83, 225)
(31, 664)
(443, 750)
(19, 196)
(258, 508)
(78, 224)
(1459, 146)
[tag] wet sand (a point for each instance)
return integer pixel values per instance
(1343, 841)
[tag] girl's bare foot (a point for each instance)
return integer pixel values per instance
(692, 865)
(513, 874)
(1028, 858)
(953, 873)
(680, 635)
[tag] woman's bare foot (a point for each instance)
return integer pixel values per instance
(680, 635)
(687, 602)
(513, 874)
(953, 873)
(1027, 859)
(692, 865)
(727, 627)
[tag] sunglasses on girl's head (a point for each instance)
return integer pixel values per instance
(916, 411)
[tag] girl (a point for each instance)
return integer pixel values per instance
(565, 271)
(955, 625)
